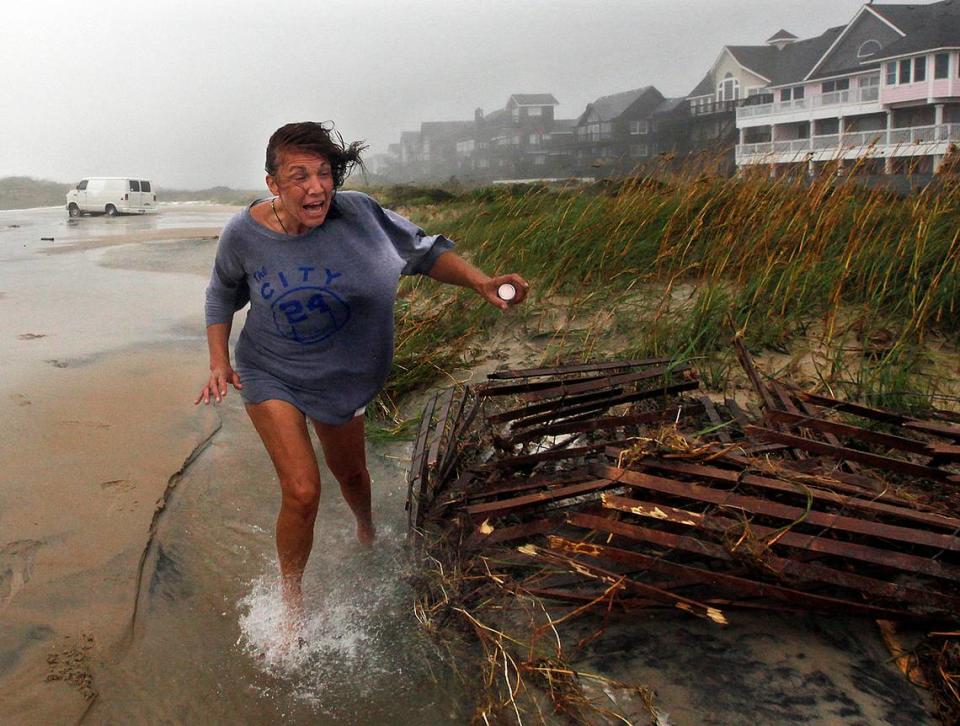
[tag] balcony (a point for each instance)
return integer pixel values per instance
(853, 96)
(714, 107)
(895, 142)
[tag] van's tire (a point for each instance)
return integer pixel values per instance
(111, 211)
(73, 210)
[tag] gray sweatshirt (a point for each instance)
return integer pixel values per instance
(319, 331)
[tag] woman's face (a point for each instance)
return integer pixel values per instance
(304, 185)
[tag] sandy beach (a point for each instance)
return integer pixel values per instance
(97, 420)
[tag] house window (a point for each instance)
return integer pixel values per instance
(827, 127)
(842, 84)
(534, 139)
(941, 65)
(891, 74)
(869, 81)
(868, 48)
(639, 127)
(535, 111)
(639, 151)
(920, 69)
(539, 160)
(904, 71)
(729, 88)
(795, 93)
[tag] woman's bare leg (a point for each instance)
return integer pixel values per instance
(345, 454)
(283, 429)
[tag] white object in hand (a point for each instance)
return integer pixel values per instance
(506, 292)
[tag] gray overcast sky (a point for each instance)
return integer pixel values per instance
(187, 93)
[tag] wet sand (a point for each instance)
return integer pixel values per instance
(96, 422)
(89, 453)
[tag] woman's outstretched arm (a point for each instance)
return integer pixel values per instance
(452, 269)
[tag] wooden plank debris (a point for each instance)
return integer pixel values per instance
(610, 474)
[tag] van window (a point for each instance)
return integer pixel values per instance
(82, 185)
(134, 185)
(144, 186)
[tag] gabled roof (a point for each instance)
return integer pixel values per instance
(927, 27)
(669, 105)
(792, 63)
(781, 35)
(445, 130)
(905, 18)
(922, 27)
(866, 9)
(800, 57)
(705, 87)
(759, 59)
(610, 107)
(533, 99)
(777, 66)
(494, 116)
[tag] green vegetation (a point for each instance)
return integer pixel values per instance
(23, 192)
(860, 284)
(213, 195)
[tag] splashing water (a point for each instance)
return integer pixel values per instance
(355, 634)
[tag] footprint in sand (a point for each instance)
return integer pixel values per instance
(57, 363)
(20, 399)
(16, 566)
(117, 489)
(117, 485)
(87, 424)
(70, 663)
(31, 336)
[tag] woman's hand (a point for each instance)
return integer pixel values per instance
(489, 290)
(452, 269)
(220, 376)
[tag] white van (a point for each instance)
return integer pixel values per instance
(112, 195)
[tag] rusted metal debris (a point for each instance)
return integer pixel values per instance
(621, 484)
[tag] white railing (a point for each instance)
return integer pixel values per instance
(853, 140)
(828, 141)
(868, 94)
(948, 132)
(765, 109)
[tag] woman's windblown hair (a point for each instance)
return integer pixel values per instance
(315, 138)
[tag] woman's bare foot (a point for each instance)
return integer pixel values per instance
(293, 614)
(366, 533)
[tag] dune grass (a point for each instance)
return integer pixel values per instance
(663, 263)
